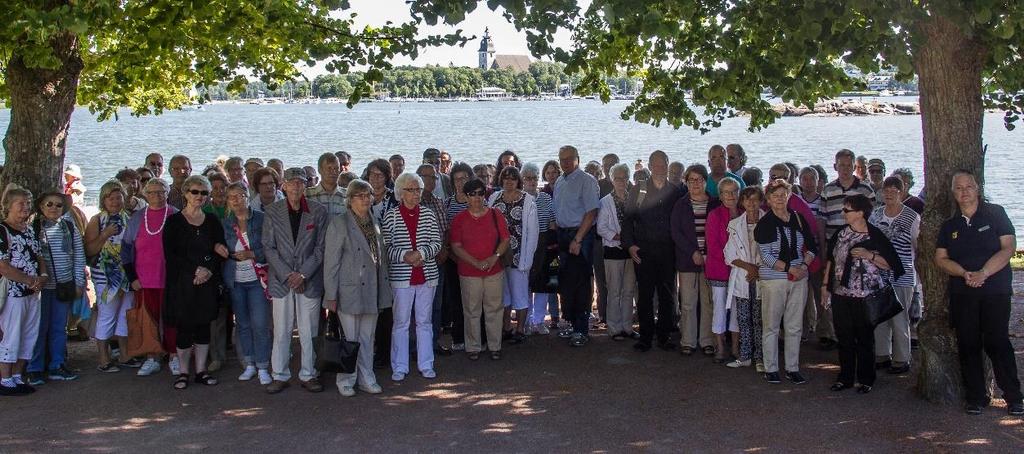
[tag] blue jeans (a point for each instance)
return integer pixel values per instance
(53, 335)
(252, 320)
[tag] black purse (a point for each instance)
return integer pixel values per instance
(881, 305)
(334, 353)
(66, 291)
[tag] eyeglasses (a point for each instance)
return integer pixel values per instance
(413, 190)
(694, 180)
(238, 196)
(155, 192)
(721, 192)
(364, 195)
(156, 164)
(510, 178)
(53, 205)
(477, 193)
(198, 192)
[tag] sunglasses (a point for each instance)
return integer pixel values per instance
(198, 192)
(53, 205)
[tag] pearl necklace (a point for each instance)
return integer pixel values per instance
(145, 218)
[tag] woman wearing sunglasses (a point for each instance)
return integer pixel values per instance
(194, 252)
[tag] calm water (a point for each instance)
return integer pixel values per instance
(478, 131)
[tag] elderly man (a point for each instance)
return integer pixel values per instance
(443, 188)
(675, 173)
(344, 161)
(717, 170)
(155, 163)
(736, 158)
(397, 165)
(576, 202)
(181, 168)
(876, 175)
(327, 193)
(605, 184)
(293, 241)
(446, 163)
(234, 170)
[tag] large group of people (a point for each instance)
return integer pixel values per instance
(709, 259)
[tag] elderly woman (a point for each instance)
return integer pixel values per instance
(114, 297)
(356, 282)
(452, 305)
(142, 255)
(520, 211)
(901, 225)
(194, 251)
(245, 277)
(266, 180)
(689, 222)
(65, 259)
(717, 269)
(23, 264)
(787, 248)
(413, 238)
(132, 183)
(378, 174)
(744, 256)
(861, 261)
(974, 249)
(478, 237)
(541, 299)
(618, 268)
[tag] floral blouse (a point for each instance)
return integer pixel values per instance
(22, 250)
(865, 277)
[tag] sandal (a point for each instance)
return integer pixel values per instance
(686, 351)
(181, 382)
(839, 386)
(496, 355)
(205, 378)
(473, 356)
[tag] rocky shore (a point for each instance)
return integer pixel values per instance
(843, 108)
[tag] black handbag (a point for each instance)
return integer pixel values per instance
(66, 291)
(334, 353)
(881, 305)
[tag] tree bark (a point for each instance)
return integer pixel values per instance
(41, 104)
(949, 65)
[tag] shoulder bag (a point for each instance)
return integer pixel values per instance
(66, 291)
(143, 332)
(881, 305)
(261, 269)
(335, 353)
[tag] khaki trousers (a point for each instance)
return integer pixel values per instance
(783, 301)
(694, 290)
(482, 294)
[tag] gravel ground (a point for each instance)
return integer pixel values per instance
(543, 396)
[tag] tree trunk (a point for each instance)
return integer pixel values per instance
(41, 104)
(949, 65)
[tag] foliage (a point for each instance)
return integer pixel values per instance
(726, 53)
(146, 55)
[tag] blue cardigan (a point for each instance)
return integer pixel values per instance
(254, 228)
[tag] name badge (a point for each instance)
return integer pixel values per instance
(984, 228)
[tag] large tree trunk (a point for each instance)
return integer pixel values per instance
(949, 65)
(41, 104)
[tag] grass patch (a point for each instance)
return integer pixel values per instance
(1017, 261)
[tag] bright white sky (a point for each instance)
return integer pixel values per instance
(506, 39)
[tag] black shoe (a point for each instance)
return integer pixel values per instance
(667, 346)
(517, 339)
(796, 378)
(1016, 409)
(826, 344)
(634, 335)
(441, 350)
(879, 365)
(10, 391)
(772, 377)
(973, 410)
(897, 370)
(839, 386)
(864, 389)
(25, 388)
(641, 346)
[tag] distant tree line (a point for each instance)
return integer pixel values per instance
(421, 82)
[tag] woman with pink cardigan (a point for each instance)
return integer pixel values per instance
(717, 270)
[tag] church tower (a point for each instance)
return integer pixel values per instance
(486, 50)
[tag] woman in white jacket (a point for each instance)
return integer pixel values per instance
(520, 210)
(618, 268)
(742, 252)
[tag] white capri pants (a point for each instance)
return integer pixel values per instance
(720, 317)
(516, 291)
(111, 319)
(19, 323)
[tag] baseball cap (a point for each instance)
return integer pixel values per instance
(295, 173)
(876, 162)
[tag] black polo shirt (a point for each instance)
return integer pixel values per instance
(971, 242)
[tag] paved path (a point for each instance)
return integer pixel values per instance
(543, 396)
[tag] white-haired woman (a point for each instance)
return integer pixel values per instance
(545, 237)
(194, 250)
(413, 237)
(618, 269)
(22, 263)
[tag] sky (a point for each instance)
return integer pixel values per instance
(506, 39)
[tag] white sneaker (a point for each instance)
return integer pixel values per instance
(459, 347)
(265, 378)
(247, 374)
(347, 391)
(738, 363)
(372, 389)
(150, 367)
(397, 376)
(429, 373)
(542, 328)
(175, 365)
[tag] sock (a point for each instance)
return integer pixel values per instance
(16, 378)
(8, 383)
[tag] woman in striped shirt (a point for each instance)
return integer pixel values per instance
(689, 221)
(901, 224)
(538, 275)
(452, 304)
(413, 238)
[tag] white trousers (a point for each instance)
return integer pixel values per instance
(719, 319)
(418, 299)
(295, 309)
(359, 328)
(111, 313)
(620, 276)
(19, 328)
(516, 289)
